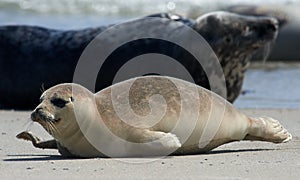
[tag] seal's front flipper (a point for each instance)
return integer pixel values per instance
(51, 144)
(166, 140)
(155, 143)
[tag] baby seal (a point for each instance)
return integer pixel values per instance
(69, 111)
(43, 55)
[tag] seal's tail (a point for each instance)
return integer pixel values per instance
(267, 129)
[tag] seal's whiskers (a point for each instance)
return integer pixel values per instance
(53, 128)
(266, 51)
(28, 124)
(42, 89)
(48, 128)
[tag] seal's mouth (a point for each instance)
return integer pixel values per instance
(39, 115)
(46, 120)
(259, 44)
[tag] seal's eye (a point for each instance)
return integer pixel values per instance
(59, 102)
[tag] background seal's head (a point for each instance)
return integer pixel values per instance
(227, 32)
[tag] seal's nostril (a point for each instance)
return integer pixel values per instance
(35, 113)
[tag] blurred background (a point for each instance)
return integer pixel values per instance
(67, 14)
(274, 84)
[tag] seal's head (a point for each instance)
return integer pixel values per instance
(228, 32)
(235, 39)
(56, 111)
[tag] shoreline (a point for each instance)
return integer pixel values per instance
(270, 64)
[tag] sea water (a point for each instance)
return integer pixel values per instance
(271, 88)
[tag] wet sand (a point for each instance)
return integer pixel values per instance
(239, 160)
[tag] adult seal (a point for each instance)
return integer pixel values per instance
(65, 106)
(34, 57)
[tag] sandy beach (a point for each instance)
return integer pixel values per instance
(272, 88)
(238, 160)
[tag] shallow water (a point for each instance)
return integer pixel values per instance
(275, 88)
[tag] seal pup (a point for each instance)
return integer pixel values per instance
(67, 110)
(47, 57)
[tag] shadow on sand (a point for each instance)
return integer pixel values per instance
(41, 157)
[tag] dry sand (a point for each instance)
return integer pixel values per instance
(239, 160)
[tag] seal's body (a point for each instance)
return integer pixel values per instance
(145, 116)
(43, 55)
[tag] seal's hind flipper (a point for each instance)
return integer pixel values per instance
(267, 129)
(51, 144)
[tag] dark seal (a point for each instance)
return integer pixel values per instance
(34, 57)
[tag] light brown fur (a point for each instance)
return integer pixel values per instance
(86, 113)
